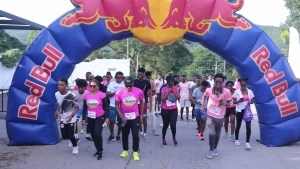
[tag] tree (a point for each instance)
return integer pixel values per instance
(11, 57)
(31, 36)
(292, 20)
(8, 42)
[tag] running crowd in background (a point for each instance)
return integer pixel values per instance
(126, 104)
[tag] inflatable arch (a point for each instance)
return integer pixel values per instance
(95, 23)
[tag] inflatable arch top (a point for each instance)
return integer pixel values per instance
(95, 23)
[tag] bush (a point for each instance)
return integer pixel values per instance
(11, 57)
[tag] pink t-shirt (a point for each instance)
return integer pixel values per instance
(213, 108)
(167, 105)
(75, 87)
(94, 104)
(184, 90)
(129, 101)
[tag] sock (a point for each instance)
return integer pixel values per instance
(76, 135)
(87, 135)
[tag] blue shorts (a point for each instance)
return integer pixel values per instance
(79, 113)
(200, 116)
(113, 114)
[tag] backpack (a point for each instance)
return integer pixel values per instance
(248, 116)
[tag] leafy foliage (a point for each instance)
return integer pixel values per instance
(11, 57)
(31, 36)
(21, 35)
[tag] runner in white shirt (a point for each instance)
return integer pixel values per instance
(158, 82)
(184, 88)
(112, 88)
(210, 79)
(66, 110)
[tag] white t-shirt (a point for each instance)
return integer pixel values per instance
(211, 82)
(158, 84)
(67, 103)
(80, 98)
(113, 87)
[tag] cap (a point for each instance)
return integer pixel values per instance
(128, 81)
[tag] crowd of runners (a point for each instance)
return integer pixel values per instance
(128, 104)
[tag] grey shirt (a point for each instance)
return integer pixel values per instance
(197, 94)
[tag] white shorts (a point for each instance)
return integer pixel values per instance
(185, 103)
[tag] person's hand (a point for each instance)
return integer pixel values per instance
(221, 103)
(83, 123)
(69, 118)
(107, 121)
(170, 90)
(159, 106)
(199, 103)
(56, 114)
(202, 110)
(241, 100)
(124, 120)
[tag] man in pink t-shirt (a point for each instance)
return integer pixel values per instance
(184, 88)
(130, 111)
(216, 109)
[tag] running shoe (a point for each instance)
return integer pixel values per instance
(225, 136)
(194, 119)
(163, 142)
(81, 131)
(161, 125)
(118, 138)
(198, 134)
(110, 139)
(154, 133)
(96, 154)
(99, 157)
(210, 154)
(181, 118)
(216, 152)
(231, 138)
(75, 150)
(146, 139)
(135, 156)
(248, 146)
(175, 142)
(70, 144)
(88, 139)
(187, 120)
(124, 154)
(237, 143)
(201, 137)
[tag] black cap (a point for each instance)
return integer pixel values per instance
(128, 81)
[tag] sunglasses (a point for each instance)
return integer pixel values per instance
(93, 86)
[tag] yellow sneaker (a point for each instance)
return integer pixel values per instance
(135, 156)
(81, 131)
(124, 154)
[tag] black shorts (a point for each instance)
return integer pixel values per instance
(193, 105)
(230, 111)
(67, 130)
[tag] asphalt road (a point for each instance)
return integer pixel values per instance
(190, 153)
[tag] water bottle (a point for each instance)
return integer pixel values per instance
(123, 124)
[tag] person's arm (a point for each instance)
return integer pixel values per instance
(202, 103)
(150, 99)
(84, 109)
(109, 94)
(69, 118)
(164, 96)
(159, 96)
(193, 99)
(176, 94)
(141, 108)
(105, 108)
(57, 111)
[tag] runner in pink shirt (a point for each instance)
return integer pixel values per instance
(184, 88)
(216, 108)
(130, 111)
(169, 111)
(95, 105)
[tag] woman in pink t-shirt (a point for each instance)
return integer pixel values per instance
(96, 106)
(169, 111)
(216, 107)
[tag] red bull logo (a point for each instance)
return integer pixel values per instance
(158, 21)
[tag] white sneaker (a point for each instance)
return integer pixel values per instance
(161, 125)
(248, 146)
(70, 144)
(237, 143)
(194, 119)
(75, 150)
